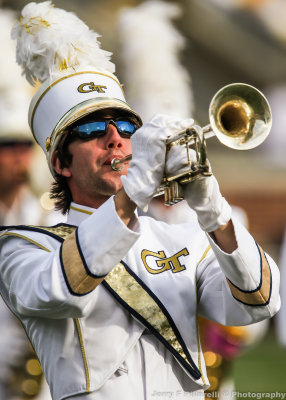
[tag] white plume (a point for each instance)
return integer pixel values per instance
(51, 40)
(154, 77)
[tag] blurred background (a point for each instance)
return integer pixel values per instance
(220, 42)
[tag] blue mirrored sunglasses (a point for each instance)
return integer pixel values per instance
(93, 129)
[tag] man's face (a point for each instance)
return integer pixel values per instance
(90, 176)
(15, 160)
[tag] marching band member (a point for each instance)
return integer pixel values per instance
(110, 300)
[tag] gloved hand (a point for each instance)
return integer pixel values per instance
(203, 194)
(147, 166)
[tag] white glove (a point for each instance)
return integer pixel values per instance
(146, 169)
(203, 194)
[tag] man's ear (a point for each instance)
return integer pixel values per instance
(57, 166)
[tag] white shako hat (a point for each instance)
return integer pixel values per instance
(58, 49)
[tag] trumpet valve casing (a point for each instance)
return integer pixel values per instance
(173, 193)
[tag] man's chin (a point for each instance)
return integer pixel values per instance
(108, 187)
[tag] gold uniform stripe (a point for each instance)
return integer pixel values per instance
(83, 352)
(261, 295)
(79, 281)
(198, 333)
(131, 292)
(25, 238)
(81, 210)
(61, 230)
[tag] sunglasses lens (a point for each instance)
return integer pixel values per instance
(126, 127)
(98, 128)
(90, 129)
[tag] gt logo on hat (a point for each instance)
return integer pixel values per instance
(91, 87)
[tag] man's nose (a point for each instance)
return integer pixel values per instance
(113, 139)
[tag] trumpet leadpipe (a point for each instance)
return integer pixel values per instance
(117, 163)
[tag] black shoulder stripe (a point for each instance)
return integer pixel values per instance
(58, 232)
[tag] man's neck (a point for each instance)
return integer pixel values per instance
(93, 201)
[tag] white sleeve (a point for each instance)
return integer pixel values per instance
(238, 288)
(103, 239)
(56, 279)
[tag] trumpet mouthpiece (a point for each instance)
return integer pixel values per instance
(116, 164)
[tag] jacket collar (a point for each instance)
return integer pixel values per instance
(78, 213)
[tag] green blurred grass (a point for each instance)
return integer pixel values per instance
(262, 368)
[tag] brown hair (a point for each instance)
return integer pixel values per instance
(60, 191)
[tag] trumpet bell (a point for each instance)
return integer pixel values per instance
(240, 116)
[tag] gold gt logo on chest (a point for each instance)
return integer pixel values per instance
(91, 87)
(156, 263)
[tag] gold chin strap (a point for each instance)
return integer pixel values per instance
(48, 144)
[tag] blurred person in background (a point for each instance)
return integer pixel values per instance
(21, 375)
(20, 372)
(18, 204)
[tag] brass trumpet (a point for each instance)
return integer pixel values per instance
(240, 117)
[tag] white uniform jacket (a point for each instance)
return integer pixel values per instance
(84, 312)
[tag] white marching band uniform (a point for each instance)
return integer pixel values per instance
(126, 336)
(110, 309)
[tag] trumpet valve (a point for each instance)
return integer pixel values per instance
(173, 193)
